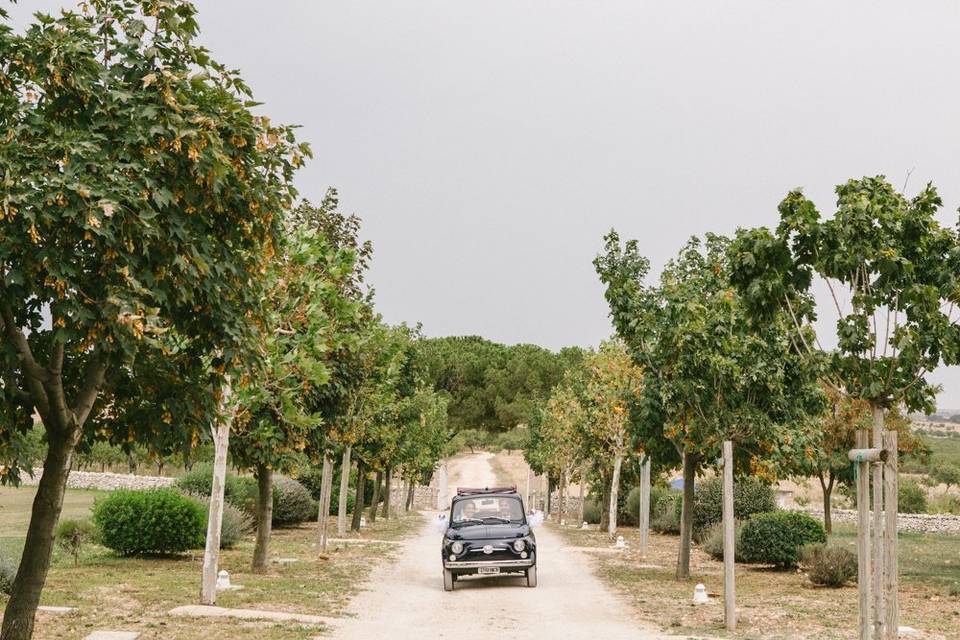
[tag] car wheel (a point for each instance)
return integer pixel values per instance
(532, 576)
(447, 580)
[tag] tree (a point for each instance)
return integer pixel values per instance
(898, 268)
(612, 382)
(139, 201)
(275, 422)
(718, 377)
(838, 430)
(946, 473)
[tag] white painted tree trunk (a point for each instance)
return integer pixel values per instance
(211, 553)
(344, 490)
(614, 489)
(443, 497)
(729, 586)
(326, 488)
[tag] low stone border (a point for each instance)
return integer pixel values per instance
(105, 481)
(203, 611)
(912, 522)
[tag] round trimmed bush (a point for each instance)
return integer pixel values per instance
(152, 522)
(829, 565)
(591, 511)
(713, 541)
(292, 502)
(911, 498)
(235, 524)
(665, 517)
(778, 537)
(7, 573)
(199, 482)
(750, 496)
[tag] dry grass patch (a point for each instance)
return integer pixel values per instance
(135, 594)
(771, 604)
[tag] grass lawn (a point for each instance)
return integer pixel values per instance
(136, 593)
(774, 604)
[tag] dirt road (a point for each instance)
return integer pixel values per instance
(407, 599)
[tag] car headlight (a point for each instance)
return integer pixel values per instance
(519, 545)
(457, 548)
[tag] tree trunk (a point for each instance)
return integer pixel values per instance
(549, 504)
(411, 487)
(377, 480)
(323, 513)
(264, 518)
(604, 501)
(563, 482)
(358, 502)
(344, 490)
(686, 518)
(38, 546)
(827, 487)
(614, 490)
(388, 480)
(211, 553)
(583, 481)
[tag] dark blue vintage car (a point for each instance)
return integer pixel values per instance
(488, 534)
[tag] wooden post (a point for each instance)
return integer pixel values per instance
(729, 537)
(211, 553)
(344, 490)
(863, 539)
(878, 546)
(563, 486)
(891, 577)
(323, 513)
(644, 505)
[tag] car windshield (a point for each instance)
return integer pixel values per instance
(487, 510)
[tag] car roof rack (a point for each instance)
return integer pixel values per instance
(467, 491)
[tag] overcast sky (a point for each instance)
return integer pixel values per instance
(488, 146)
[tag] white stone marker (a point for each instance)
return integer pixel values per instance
(620, 543)
(700, 595)
(113, 635)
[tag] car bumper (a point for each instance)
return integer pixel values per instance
(509, 565)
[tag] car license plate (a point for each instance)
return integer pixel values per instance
(486, 571)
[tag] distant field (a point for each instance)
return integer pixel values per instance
(15, 507)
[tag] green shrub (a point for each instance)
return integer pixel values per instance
(778, 537)
(292, 503)
(235, 524)
(7, 573)
(945, 504)
(591, 511)
(72, 534)
(154, 522)
(713, 541)
(750, 496)
(513, 440)
(911, 498)
(829, 565)
(666, 518)
(631, 513)
(199, 482)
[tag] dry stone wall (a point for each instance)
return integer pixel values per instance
(106, 481)
(912, 522)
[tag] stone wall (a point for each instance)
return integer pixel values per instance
(424, 497)
(105, 481)
(912, 522)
